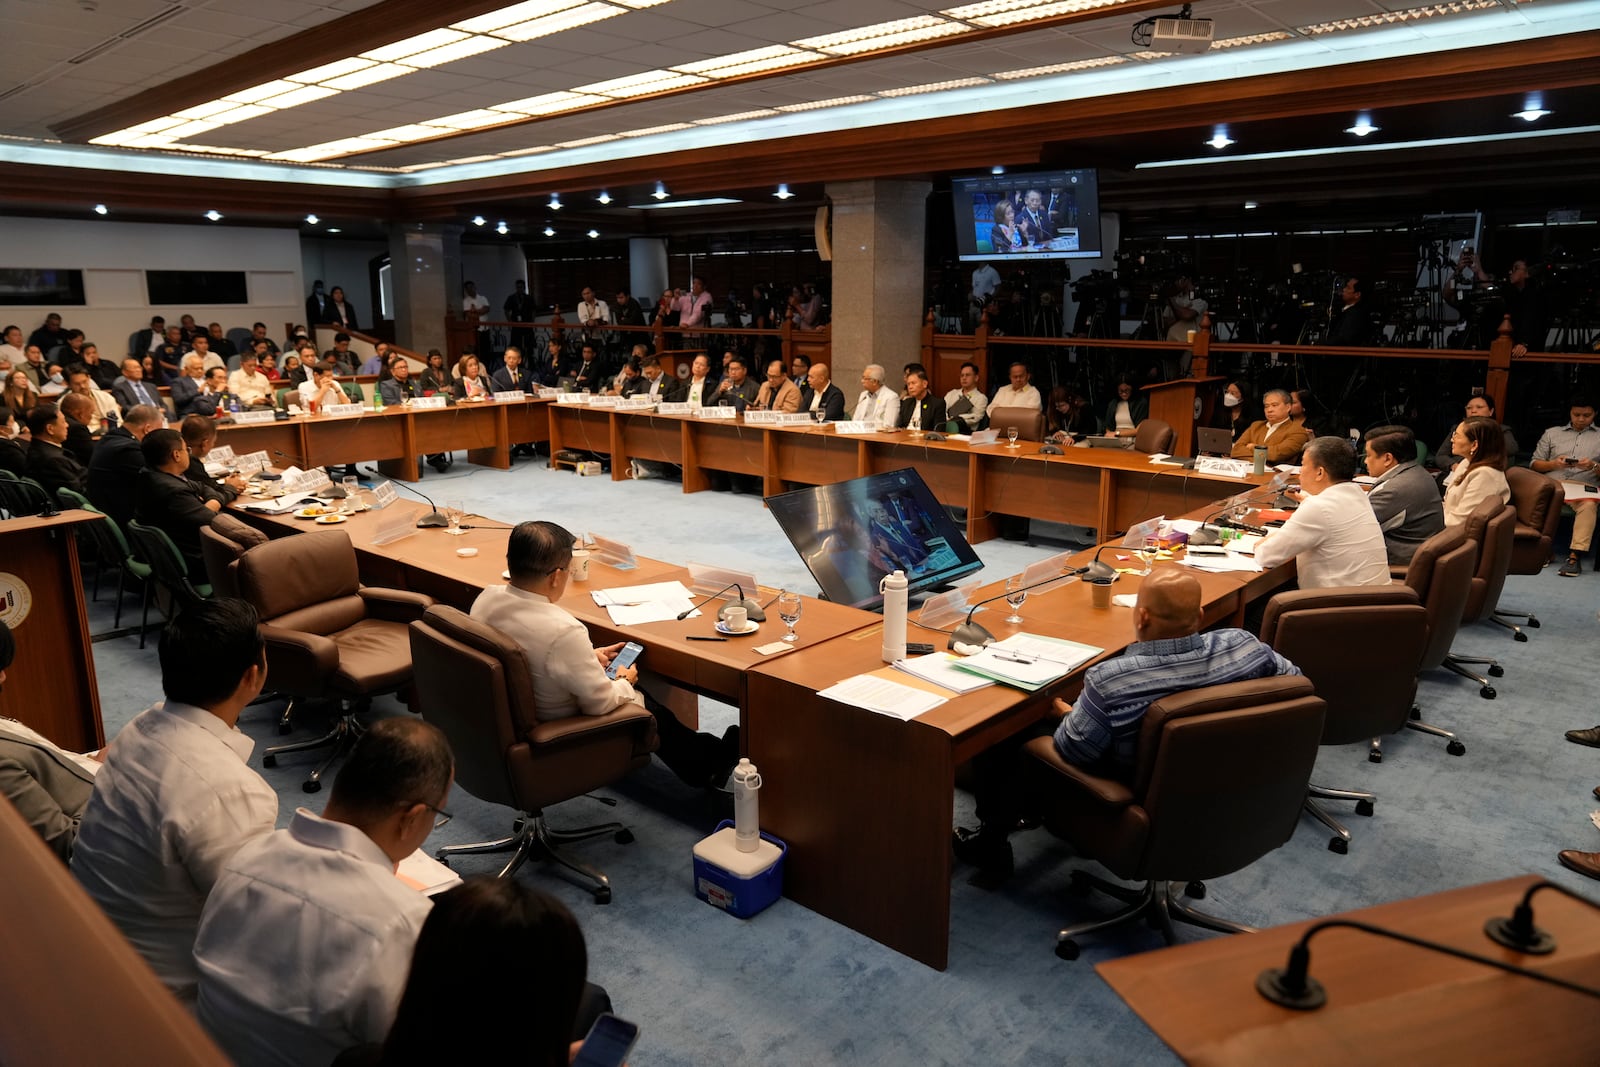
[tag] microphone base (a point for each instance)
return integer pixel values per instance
(333, 492)
(1205, 537)
(1098, 569)
(752, 610)
(970, 633)
(1271, 985)
(1533, 942)
(431, 521)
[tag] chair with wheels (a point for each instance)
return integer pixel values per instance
(1154, 435)
(1440, 573)
(1538, 500)
(473, 683)
(1315, 629)
(1492, 525)
(1219, 780)
(328, 636)
(111, 549)
(169, 574)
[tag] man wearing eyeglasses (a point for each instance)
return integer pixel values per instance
(306, 939)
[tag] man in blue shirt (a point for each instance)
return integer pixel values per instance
(1169, 655)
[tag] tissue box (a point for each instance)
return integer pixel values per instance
(740, 883)
(590, 468)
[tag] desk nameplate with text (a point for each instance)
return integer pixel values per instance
(343, 409)
(511, 396)
(427, 403)
(251, 418)
(681, 408)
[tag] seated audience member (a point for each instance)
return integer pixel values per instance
(1169, 655)
(920, 409)
(133, 388)
(167, 499)
(628, 382)
(20, 394)
(399, 386)
(1302, 402)
(13, 448)
(292, 373)
(1333, 536)
(106, 408)
(200, 434)
(78, 411)
(738, 389)
(49, 463)
(777, 393)
(307, 934)
(1283, 437)
(201, 346)
(1569, 453)
(167, 354)
(799, 371)
(258, 336)
(177, 797)
(322, 389)
(247, 383)
(104, 372)
(513, 377)
(55, 382)
(658, 386)
(1017, 392)
(568, 674)
(1068, 415)
(48, 785)
(700, 391)
(1405, 499)
(12, 352)
(118, 458)
(214, 400)
(1482, 475)
(877, 404)
(49, 335)
(148, 340)
(343, 360)
(375, 363)
(493, 948)
(220, 347)
(966, 403)
(1126, 411)
(435, 377)
(820, 395)
(186, 388)
(269, 367)
(587, 375)
(470, 381)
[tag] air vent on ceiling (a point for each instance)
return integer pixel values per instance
(136, 30)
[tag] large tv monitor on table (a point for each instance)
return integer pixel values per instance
(851, 534)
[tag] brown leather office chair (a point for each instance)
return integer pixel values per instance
(1220, 776)
(1440, 573)
(327, 635)
(473, 683)
(1029, 422)
(1538, 500)
(1492, 525)
(1315, 629)
(1154, 435)
(220, 555)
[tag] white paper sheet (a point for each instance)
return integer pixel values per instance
(635, 605)
(939, 668)
(882, 696)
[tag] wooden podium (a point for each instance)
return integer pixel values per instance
(1184, 404)
(1388, 1002)
(51, 686)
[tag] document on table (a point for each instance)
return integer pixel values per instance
(636, 604)
(287, 502)
(882, 696)
(425, 874)
(1029, 661)
(940, 669)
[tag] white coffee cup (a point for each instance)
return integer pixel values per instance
(579, 567)
(736, 619)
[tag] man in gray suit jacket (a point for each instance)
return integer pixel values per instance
(1405, 499)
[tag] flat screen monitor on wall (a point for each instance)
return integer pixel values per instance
(851, 534)
(1041, 215)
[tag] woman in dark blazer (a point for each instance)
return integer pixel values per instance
(471, 383)
(435, 378)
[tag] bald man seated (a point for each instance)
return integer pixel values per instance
(1169, 655)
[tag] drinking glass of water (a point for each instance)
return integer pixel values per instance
(1011, 437)
(789, 611)
(454, 511)
(1016, 593)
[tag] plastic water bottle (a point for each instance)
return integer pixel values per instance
(746, 820)
(377, 399)
(893, 588)
(233, 405)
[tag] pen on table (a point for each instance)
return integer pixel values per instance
(1012, 659)
(698, 637)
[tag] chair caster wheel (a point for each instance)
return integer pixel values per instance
(1496, 671)
(1519, 636)
(602, 895)
(1374, 757)
(269, 761)
(285, 728)
(1487, 692)
(1364, 807)
(1456, 748)
(1338, 846)
(443, 858)
(1416, 713)
(623, 837)
(1195, 891)
(1067, 950)
(311, 785)
(1533, 622)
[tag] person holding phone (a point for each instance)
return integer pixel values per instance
(1570, 453)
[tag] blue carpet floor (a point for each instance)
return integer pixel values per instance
(790, 987)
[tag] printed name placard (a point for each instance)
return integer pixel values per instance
(425, 403)
(675, 409)
(572, 398)
(718, 413)
(391, 528)
(514, 394)
(759, 418)
(343, 409)
(635, 403)
(545, 392)
(985, 437)
(252, 463)
(383, 495)
(853, 427)
(221, 454)
(793, 418)
(1233, 468)
(248, 418)
(603, 401)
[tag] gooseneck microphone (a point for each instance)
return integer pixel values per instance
(1293, 987)
(1204, 537)
(752, 610)
(1518, 931)
(434, 518)
(975, 633)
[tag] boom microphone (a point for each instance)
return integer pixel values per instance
(753, 611)
(975, 633)
(434, 518)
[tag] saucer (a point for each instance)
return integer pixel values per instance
(331, 520)
(749, 628)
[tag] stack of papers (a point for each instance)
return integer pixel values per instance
(636, 604)
(425, 874)
(941, 669)
(1029, 661)
(882, 696)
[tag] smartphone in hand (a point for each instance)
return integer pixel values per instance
(609, 1041)
(630, 652)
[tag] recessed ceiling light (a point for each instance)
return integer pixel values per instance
(709, 201)
(604, 197)
(997, 169)
(1219, 138)
(312, 220)
(1363, 127)
(594, 233)
(214, 215)
(334, 229)
(1250, 205)
(555, 202)
(549, 230)
(502, 229)
(783, 192)
(99, 209)
(478, 220)
(661, 192)
(1533, 108)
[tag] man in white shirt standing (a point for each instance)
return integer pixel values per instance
(177, 798)
(1333, 537)
(593, 314)
(1018, 392)
(877, 404)
(970, 413)
(474, 305)
(306, 940)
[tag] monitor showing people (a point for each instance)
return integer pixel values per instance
(1029, 216)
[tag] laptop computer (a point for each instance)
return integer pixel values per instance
(1101, 441)
(1214, 441)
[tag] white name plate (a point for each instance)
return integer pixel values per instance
(572, 398)
(675, 409)
(383, 495)
(1232, 468)
(221, 454)
(603, 401)
(853, 427)
(985, 437)
(758, 418)
(512, 395)
(250, 418)
(425, 403)
(391, 528)
(635, 403)
(793, 418)
(254, 462)
(306, 482)
(545, 392)
(343, 409)
(727, 414)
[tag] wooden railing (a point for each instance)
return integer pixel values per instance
(785, 342)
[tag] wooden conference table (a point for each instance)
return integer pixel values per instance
(865, 802)
(1386, 1000)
